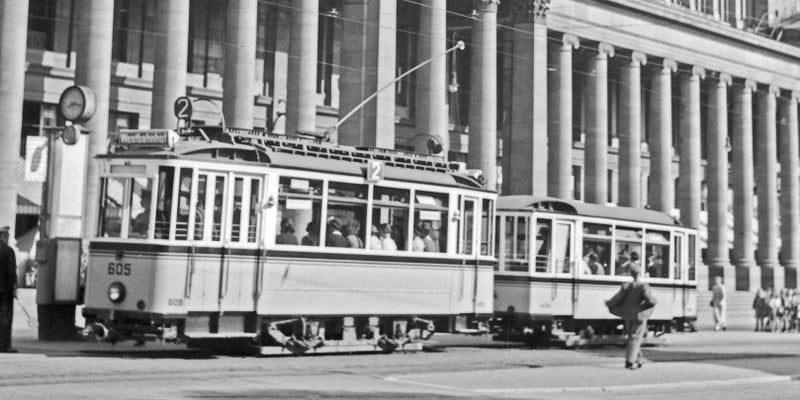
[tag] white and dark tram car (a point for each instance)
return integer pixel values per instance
(558, 261)
(221, 236)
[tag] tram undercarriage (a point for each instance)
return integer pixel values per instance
(571, 333)
(258, 335)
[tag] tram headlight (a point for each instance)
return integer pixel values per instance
(116, 292)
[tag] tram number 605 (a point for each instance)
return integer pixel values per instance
(119, 268)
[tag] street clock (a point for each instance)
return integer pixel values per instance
(77, 103)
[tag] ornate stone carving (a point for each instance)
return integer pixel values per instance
(670, 64)
(527, 10)
(570, 41)
(724, 79)
(700, 72)
(774, 90)
(750, 85)
(605, 50)
(795, 97)
(638, 58)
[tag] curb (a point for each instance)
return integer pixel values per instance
(641, 387)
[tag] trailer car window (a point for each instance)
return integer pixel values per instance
(543, 229)
(299, 207)
(390, 223)
(347, 203)
(430, 222)
(657, 252)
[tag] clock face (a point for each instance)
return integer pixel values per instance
(72, 103)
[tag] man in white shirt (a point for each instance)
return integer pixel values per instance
(718, 304)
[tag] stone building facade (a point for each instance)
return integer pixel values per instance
(684, 106)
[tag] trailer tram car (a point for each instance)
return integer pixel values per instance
(284, 244)
(560, 260)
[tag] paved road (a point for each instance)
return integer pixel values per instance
(721, 365)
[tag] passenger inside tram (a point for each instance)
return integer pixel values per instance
(140, 223)
(312, 235)
(591, 264)
(287, 233)
(352, 231)
(385, 235)
(334, 236)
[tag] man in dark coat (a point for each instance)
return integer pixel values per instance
(634, 303)
(8, 290)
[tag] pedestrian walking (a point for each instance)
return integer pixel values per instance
(719, 304)
(634, 303)
(8, 290)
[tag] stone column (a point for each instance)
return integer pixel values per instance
(747, 276)
(431, 96)
(301, 98)
(169, 68)
(238, 89)
(790, 188)
(526, 155)
(431, 89)
(766, 173)
(662, 190)
(596, 154)
(483, 99)
(560, 136)
(13, 36)
(369, 30)
(717, 176)
(630, 132)
(690, 173)
(93, 69)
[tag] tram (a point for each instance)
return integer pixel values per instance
(558, 261)
(229, 237)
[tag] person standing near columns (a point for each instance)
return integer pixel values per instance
(8, 290)
(766, 170)
(742, 176)
(719, 303)
(690, 172)
(301, 98)
(596, 154)
(93, 69)
(630, 132)
(560, 137)
(169, 69)
(790, 187)
(13, 36)
(431, 96)
(717, 174)
(483, 98)
(661, 191)
(238, 97)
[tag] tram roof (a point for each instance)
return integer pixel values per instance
(276, 157)
(541, 203)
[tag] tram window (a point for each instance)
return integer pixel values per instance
(140, 203)
(299, 207)
(486, 227)
(347, 203)
(430, 222)
(628, 254)
(113, 207)
(692, 255)
(543, 228)
(184, 192)
(497, 236)
(164, 202)
(677, 260)
(219, 198)
(236, 221)
(199, 213)
(628, 233)
(389, 219)
(255, 201)
(562, 248)
(596, 257)
(657, 252)
(467, 227)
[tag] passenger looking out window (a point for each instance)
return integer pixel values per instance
(385, 237)
(596, 257)
(591, 265)
(352, 231)
(430, 209)
(422, 239)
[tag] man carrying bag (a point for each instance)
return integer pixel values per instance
(634, 303)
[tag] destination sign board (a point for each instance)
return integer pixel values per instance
(147, 138)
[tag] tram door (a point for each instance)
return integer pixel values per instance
(207, 250)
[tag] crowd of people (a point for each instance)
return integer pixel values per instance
(777, 310)
(348, 234)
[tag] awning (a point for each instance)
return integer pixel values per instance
(29, 194)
